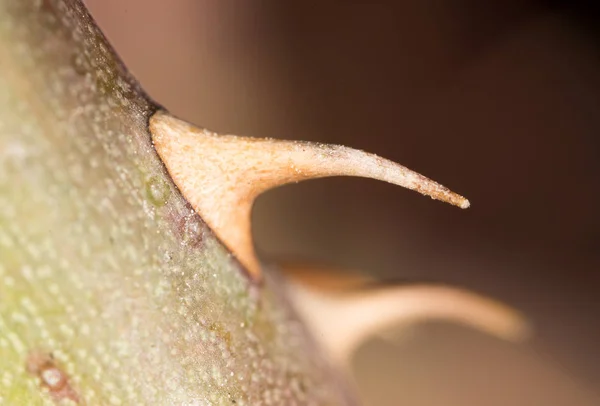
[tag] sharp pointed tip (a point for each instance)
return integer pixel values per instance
(360, 163)
(451, 198)
(464, 203)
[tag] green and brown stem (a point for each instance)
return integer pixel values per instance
(112, 289)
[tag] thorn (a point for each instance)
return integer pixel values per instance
(342, 319)
(221, 175)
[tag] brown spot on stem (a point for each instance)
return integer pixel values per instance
(52, 378)
(187, 226)
(221, 333)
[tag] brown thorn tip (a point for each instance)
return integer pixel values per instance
(221, 175)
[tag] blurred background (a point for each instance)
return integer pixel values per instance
(498, 100)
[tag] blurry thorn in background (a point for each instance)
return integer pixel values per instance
(221, 175)
(344, 310)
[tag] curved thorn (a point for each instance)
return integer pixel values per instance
(221, 175)
(342, 320)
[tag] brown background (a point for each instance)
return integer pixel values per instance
(498, 100)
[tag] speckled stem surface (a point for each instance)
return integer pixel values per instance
(112, 290)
